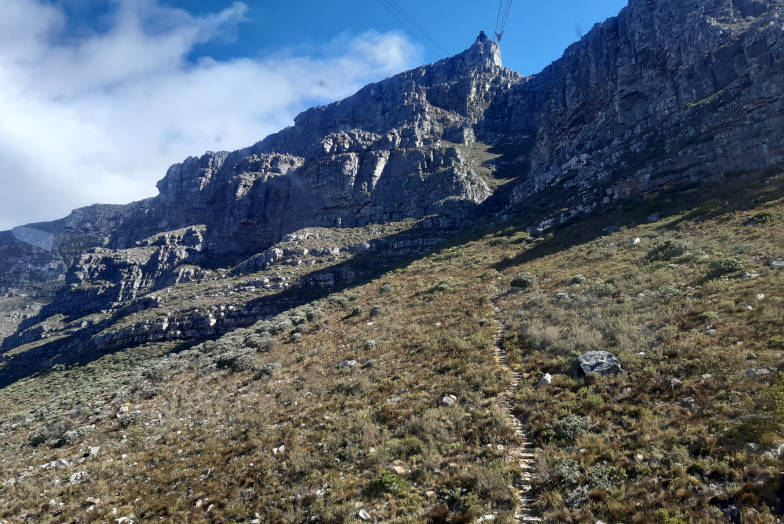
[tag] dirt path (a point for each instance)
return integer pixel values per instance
(524, 453)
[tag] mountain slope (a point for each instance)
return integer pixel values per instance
(359, 248)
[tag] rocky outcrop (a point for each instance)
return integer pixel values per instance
(667, 94)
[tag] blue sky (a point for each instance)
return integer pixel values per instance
(100, 97)
(537, 32)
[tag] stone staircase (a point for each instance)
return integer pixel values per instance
(523, 454)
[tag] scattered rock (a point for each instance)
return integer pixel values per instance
(688, 403)
(399, 470)
(78, 477)
(270, 368)
(600, 363)
(449, 400)
(546, 380)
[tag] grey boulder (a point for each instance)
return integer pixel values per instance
(600, 363)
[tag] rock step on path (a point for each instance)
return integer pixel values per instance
(523, 454)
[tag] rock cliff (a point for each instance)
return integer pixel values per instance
(669, 93)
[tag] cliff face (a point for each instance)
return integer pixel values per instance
(668, 93)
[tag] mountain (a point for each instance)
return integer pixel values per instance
(662, 111)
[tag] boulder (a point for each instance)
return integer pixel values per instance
(449, 400)
(600, 363)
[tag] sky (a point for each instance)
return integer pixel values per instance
(99, 97)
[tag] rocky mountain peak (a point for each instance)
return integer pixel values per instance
(483, 54)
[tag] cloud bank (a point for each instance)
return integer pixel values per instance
(100, 117)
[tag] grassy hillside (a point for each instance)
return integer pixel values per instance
(338, 406)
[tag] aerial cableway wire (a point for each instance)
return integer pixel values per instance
(500, 28)
(411, 25)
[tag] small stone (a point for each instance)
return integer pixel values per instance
(750, 274)
(688, 402)
(91, 501)
(746, 306)
(752, 356)
(546, 380)
(777, 263)
(449, 400)
(349, 363)
(636, 241)
(78, 477)
(760, 296)
(711, 331)
(674, 382)
(706, 377)
(370, 344)
(399, 470)
(562, 297)
(93, 451)
(762, 371)
(363, 515)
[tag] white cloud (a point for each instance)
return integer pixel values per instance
(99, 119)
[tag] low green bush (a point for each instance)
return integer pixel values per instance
(524, 280)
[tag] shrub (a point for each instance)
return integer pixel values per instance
(261, 344)
(566, 472)
(766, 217)
(604, 289)
(708, 316)
(130, 418)
(776, 342)
(578, 279)
(524, 280)
(387, 482)
(243, 362)
(724, 266)
(571, 426)
(668, 250)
